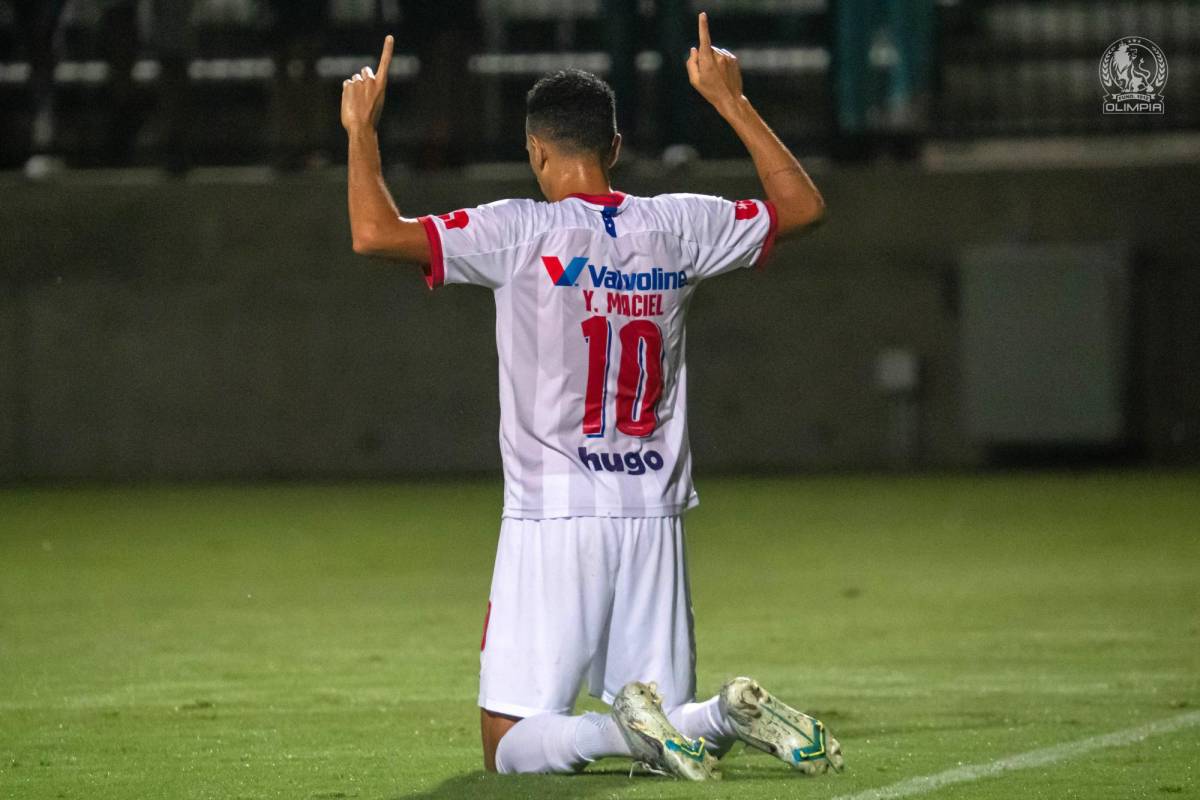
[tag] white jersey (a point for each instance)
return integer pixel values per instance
(591, 295)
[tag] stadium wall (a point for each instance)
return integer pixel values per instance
(218, 327)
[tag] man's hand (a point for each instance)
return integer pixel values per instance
(376, 227)
(362, 94)
(714, 72)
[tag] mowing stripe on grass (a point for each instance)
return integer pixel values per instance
(1034, 758)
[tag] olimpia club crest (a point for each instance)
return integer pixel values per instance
(1133, 71)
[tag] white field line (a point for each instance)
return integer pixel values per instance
(1034, 758)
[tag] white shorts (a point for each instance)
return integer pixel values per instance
(601, 597)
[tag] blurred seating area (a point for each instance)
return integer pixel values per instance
(181, 83)
(1032, 67)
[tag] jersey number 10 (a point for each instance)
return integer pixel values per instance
(639, 378)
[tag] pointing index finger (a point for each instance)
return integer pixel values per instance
(705, 40)
(385, 60)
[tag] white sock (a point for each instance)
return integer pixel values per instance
(598, 736)
(705, 719)
(558, 743)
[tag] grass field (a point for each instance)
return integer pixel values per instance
(321, 641)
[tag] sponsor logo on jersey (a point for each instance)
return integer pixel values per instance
(564, 276)
(655, 279)
(745, 209)
(634, 463)
(606, 277)
(455, 219)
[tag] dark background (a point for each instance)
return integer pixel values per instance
(1007, 277)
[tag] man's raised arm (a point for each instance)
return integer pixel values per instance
(714, 73)
(376, 227)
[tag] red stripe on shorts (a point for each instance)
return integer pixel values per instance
(486, 619)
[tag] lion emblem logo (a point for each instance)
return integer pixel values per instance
(1133, 71)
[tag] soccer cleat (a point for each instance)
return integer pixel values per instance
(655, 742)
(774, 727)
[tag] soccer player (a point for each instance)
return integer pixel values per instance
(591, 291)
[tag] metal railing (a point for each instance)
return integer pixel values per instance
(827, 72)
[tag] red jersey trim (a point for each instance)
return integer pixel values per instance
(436, 274)
(610, 199)
(769, 242)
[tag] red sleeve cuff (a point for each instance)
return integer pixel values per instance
(435, 273)
(769, 242)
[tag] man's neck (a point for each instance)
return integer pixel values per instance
(577, 177)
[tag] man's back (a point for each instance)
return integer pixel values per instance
(591, 297)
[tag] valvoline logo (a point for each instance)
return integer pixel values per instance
(564, 276)
(655, 279)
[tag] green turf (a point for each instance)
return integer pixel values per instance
(321, 642)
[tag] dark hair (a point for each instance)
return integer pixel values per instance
(575, 110)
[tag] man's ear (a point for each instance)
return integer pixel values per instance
(537, 152)
(615, 151)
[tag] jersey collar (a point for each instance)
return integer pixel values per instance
(610, 200)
